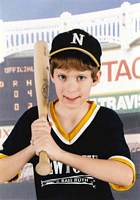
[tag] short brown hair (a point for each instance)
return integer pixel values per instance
(72, 63)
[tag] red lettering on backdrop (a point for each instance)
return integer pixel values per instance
(4, 132)
(123, 65)
(122, 69)
(134, 68)
(110, 64)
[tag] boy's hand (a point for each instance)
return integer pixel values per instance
(42, 139)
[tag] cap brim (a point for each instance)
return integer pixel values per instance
(77, 49)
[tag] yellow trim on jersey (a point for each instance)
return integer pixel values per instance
(73, 133)
(128, 162)
(13, 180)
(3, 155)
(77, 49)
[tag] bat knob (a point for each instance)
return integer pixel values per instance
(43, 168)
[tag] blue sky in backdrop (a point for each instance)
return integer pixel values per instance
(11, 10)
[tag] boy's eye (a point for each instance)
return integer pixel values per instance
(81, 78)
(62, 77)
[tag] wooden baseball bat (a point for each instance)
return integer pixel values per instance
(41, 78)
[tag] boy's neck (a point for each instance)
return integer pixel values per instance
(66, 112)
(69, 118)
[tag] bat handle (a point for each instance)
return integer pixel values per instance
(43, 168)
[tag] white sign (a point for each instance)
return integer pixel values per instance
(120, 72)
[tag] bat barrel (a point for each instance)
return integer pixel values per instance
(41, 78)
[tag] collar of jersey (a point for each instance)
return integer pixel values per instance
(69, 136)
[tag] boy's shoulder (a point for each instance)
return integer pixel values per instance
(31, 111)
(30, 114)
(108, 115)
(108, 110)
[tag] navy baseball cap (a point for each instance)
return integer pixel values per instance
(77, 40)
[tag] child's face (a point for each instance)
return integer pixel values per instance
(72, 86)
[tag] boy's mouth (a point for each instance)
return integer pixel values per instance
(71, 98)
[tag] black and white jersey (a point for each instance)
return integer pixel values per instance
(99, 135)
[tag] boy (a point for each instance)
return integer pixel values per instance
(85, 142)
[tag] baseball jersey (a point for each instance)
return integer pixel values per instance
(99, 135)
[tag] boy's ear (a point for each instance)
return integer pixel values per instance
(98, 76)
(52, 79)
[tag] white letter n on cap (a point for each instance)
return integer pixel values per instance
(78, 39)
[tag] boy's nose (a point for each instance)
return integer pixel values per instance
(72, 86)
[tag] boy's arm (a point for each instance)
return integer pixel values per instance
(107, 170)
(112, 171)
(11, 165)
